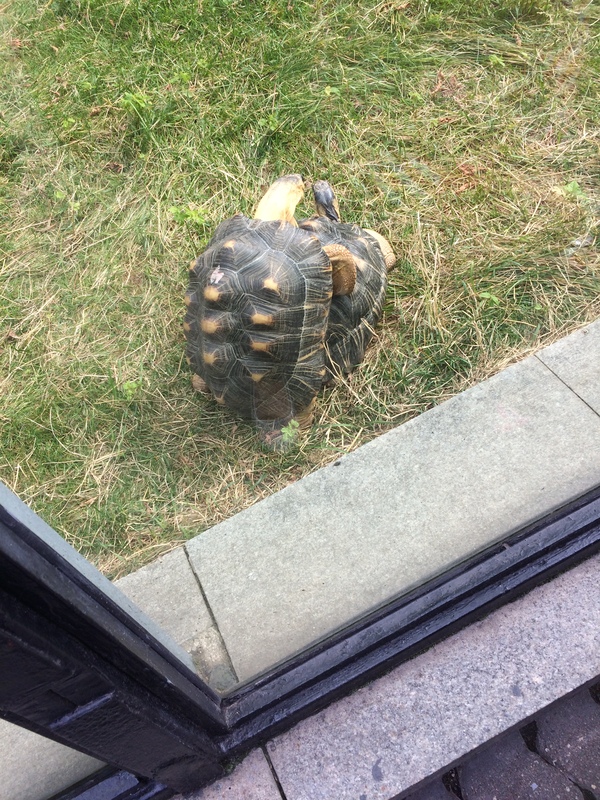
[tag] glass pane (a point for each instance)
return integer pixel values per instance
(288, 572)
(124, 152)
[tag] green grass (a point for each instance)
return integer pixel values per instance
(466, 132)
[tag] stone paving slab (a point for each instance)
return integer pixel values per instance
(168, 592)
(509, 771)
(428, 713)
(576, 360)
(401, 509)
(251, 780)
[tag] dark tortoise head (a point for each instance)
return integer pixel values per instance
(325, 201)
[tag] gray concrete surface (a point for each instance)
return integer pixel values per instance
(576, 360)
(401, 509)
(168, 592)
(429, 712)
(34, 768)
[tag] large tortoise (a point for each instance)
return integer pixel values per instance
(259, 303)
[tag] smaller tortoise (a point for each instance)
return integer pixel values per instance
(352, 316)
(258, 302)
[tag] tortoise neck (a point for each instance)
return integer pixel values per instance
(280, 201)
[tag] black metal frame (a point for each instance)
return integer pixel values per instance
(77, 664)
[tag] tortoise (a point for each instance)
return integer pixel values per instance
(352, 316)
(258, 302)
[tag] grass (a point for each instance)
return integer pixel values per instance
(467, 133)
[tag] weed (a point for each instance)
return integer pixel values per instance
(188, 214)
(289, 433)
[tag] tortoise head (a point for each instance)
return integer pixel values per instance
(326, 201)
(281, 199)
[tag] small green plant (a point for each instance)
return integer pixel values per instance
(496, 62)
(66, 203)
(289, 432)
(489, 296)
(131, 390)
(183, 214)
(573, 189)
(270, 123)
(136, 103)
(140, 113)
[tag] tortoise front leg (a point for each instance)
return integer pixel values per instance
(199, 384)
(306, 417)
(386, 248)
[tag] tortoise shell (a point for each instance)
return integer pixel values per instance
(258, 302)
(352, 317)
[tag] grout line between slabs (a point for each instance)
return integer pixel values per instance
(564, 383)
(211, 615)
(273, 772)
